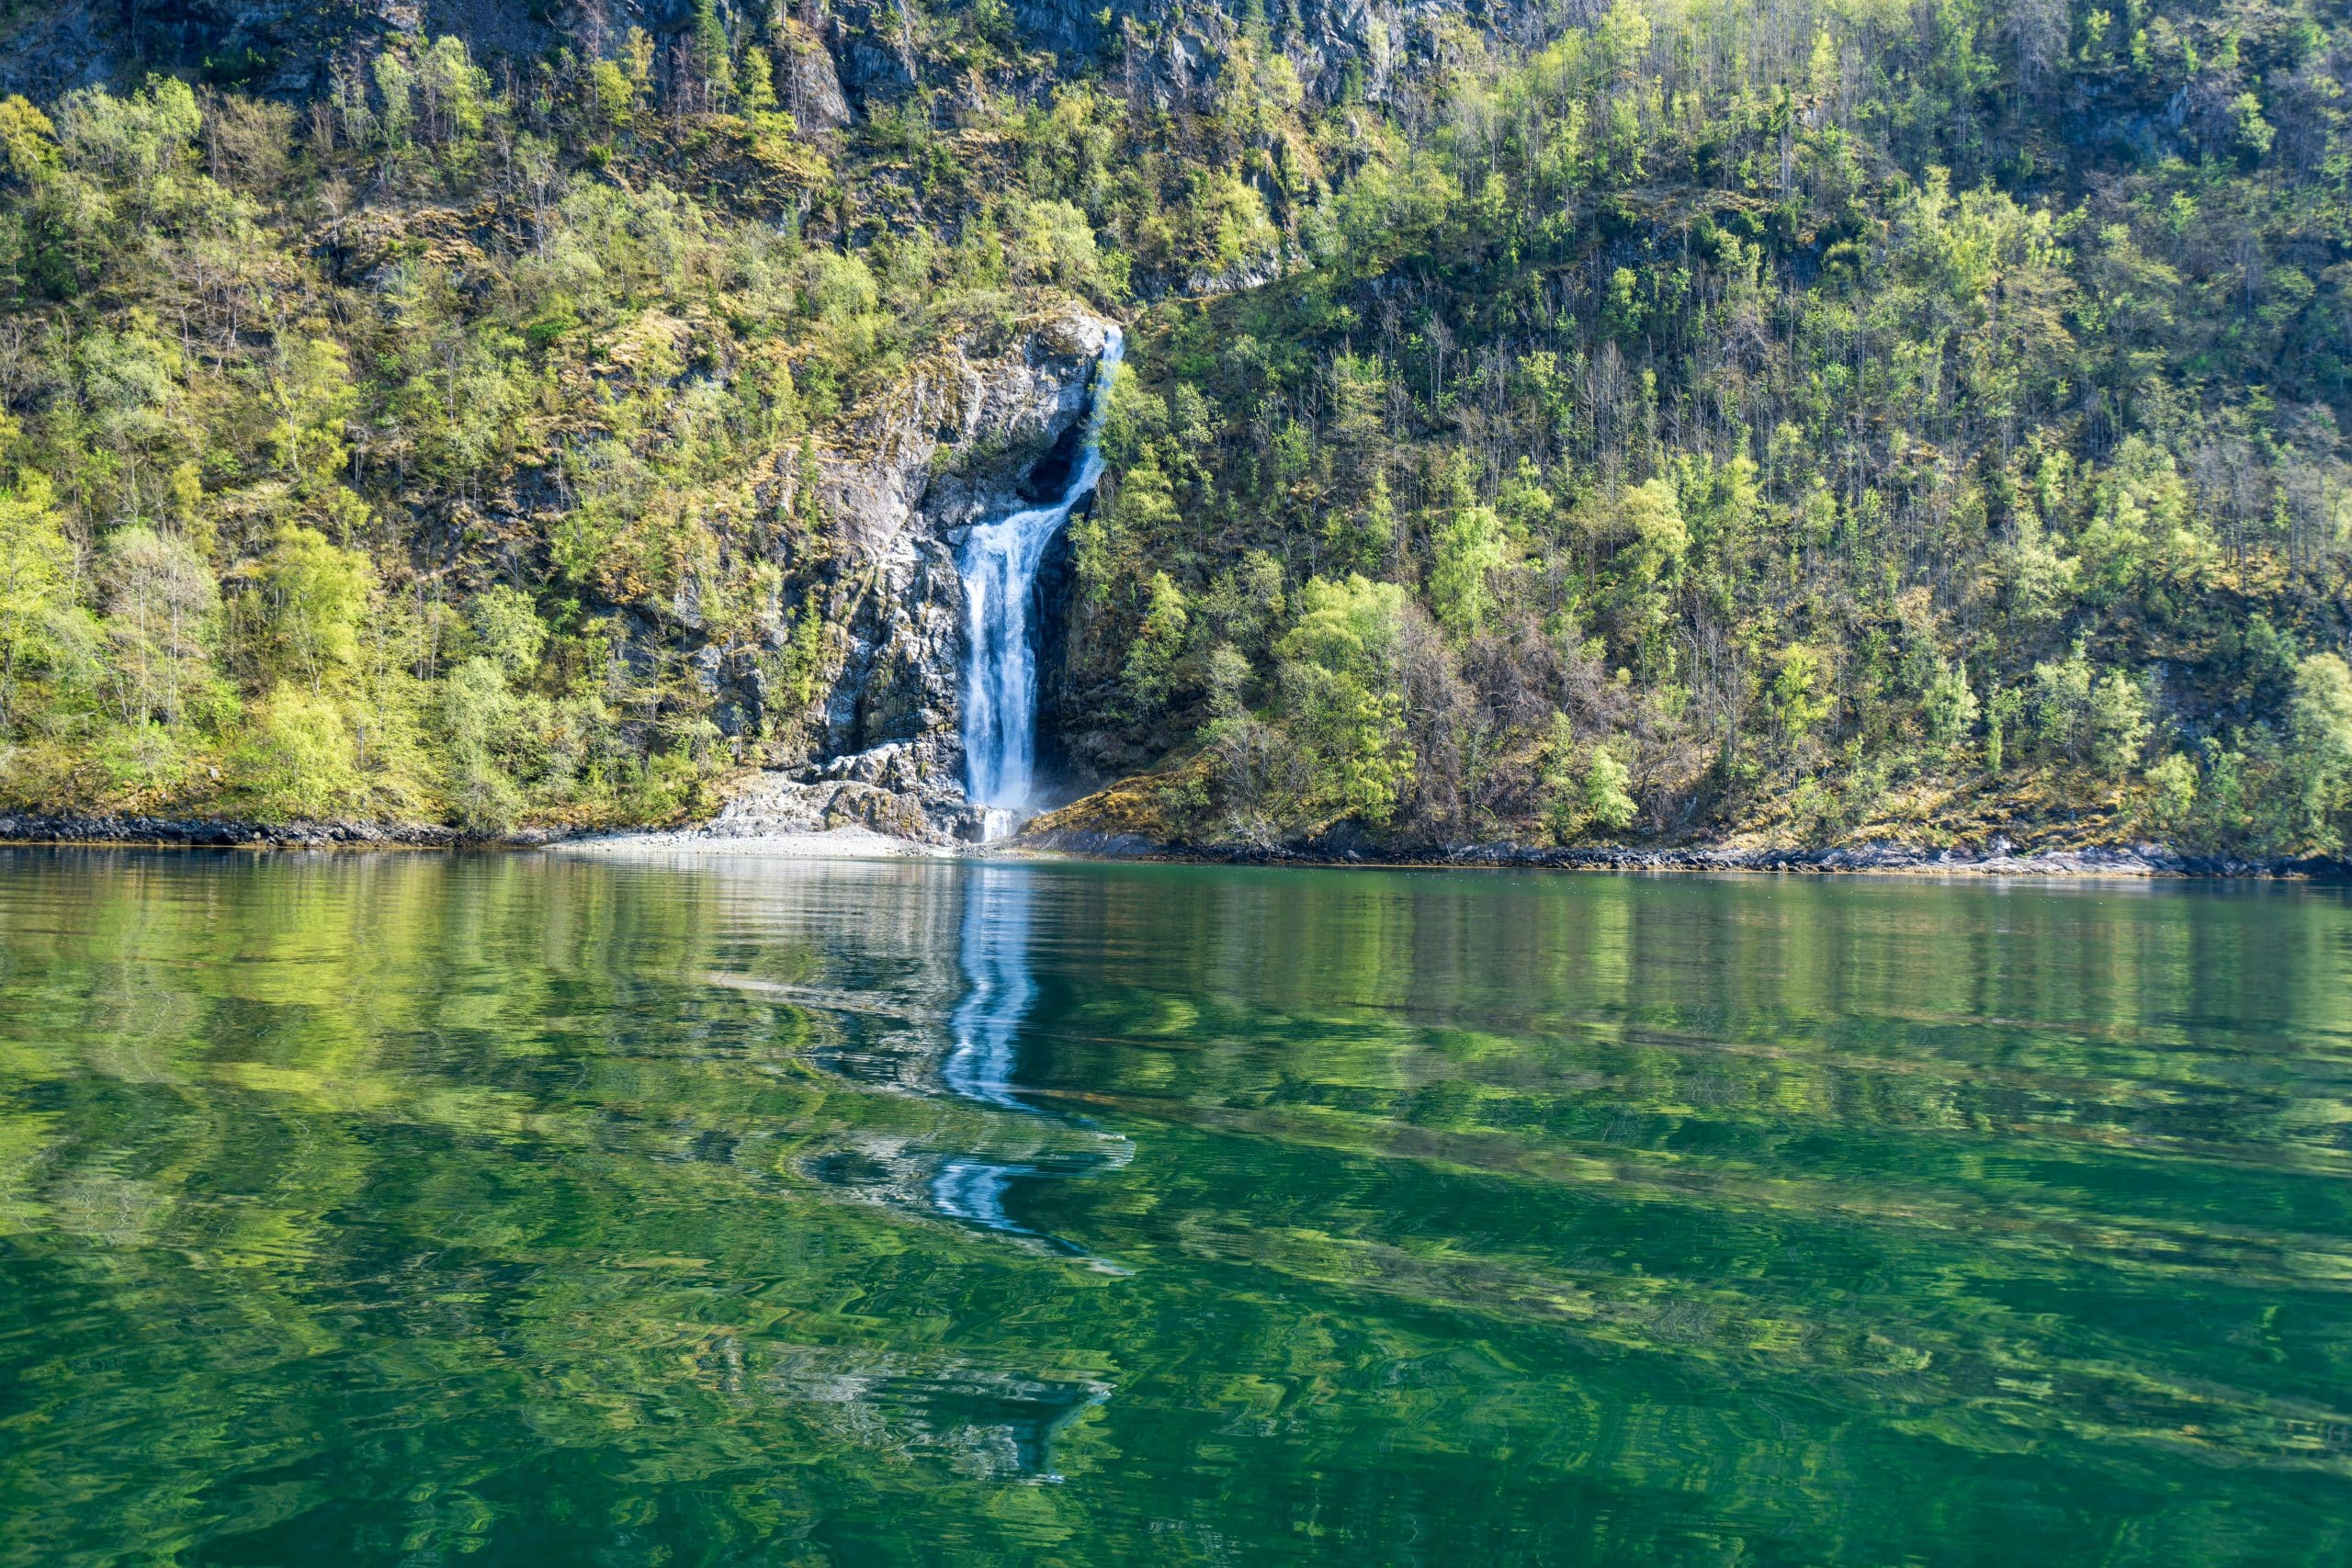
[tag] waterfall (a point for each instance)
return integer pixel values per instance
(998, 562)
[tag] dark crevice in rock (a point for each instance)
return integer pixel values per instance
(1061, 775)
(1050, 477)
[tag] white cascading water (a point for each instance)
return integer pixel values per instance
(998, 562)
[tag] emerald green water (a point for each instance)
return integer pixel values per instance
(398, 1209)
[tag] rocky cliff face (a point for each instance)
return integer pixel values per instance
(1171, 50)
(966, 438)
(285, 48)
(845, 52)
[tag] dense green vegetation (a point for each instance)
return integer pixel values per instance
(1855, 415)
(1846, 416)
(390, 458)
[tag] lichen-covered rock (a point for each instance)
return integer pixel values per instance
(1170, 50)
(810, 82)
(777, 805)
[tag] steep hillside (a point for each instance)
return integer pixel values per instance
(1681, 420)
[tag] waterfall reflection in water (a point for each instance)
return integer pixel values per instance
(995, 954)
(981, 1059)
(903, 1035)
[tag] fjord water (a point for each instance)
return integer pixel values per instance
(403, 1209)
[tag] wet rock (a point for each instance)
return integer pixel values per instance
(1170, 51)
(1106, 846)
(842, 55)
(885, 811)
(778, 806)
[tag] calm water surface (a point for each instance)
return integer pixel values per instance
(400, 1209)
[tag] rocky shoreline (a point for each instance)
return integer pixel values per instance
(1999, 858)
(212, 832)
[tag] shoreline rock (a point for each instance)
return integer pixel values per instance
(2000, 859)
(98, 828)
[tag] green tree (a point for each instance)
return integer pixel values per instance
(1608, 784)
(2062, 703)
(2172, 801)
(759, 82)
(2119, 722)
(315, 597)
(1470, 548)
(1800, 696)
(1563, 787)
(1150, 670)
(714, 57)
(1340, 697)
(28, 140)
(161, 631)
(2003, 710)
(483, 723)
(611, 100)
(2320, 730)
(507, 630)
(297, 758)
(1950, 706)
(43, 630)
